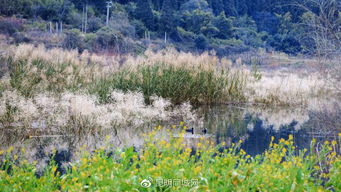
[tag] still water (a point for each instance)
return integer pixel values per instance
(224, 123)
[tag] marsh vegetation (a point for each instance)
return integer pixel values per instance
(170, 95)
(58, 106)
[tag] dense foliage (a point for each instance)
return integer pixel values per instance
(227, 26)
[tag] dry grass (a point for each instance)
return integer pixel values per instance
(81, 112)
(87, 81)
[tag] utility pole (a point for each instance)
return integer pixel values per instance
(109, 5)
(165, 37)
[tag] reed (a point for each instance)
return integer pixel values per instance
(177, 84)
(177, 76)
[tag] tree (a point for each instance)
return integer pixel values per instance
(201, 42)
(323, 23)
(196, 15)
(241, 7)
(193, 5)
(11, 7)
(217, 6)
(167, 19)
(144, 12)
(224, 25)
(230, 7)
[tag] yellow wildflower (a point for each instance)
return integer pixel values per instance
(10, 149)
(291, 137)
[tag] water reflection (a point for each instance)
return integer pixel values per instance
(254, 125)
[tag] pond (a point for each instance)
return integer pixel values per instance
(255, 126)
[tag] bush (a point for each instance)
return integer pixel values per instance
(140, 28)
(107, 38)
(73, 40)
(11, 25)
(20, 37)
(94, 24)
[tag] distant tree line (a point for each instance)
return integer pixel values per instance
(226, 26)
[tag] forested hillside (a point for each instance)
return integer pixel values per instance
(226, 26)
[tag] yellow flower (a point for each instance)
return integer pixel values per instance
(333, 142)
(181, 123)
(84, 161)
(173, 126)
(1, 152)
(188, 150)
(291, 137)
(123, 155)
(163, 142)
(326, 142)
(197, 170)
(158, 127)
(10, 149)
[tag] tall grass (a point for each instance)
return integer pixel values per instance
(34, 70)
(281, 168)
(180, 77)
(178, 84)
